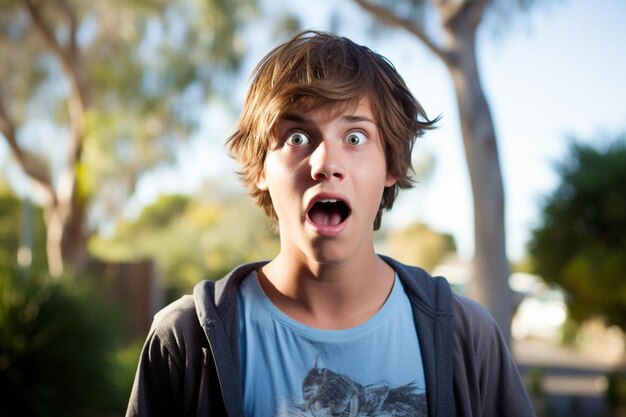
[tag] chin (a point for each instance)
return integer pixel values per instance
(331, 253)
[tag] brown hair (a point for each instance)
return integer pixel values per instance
(316, 69)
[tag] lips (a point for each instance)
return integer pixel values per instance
(328, 213)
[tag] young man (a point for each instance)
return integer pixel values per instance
(327, 327)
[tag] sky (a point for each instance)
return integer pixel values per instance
(555, 73)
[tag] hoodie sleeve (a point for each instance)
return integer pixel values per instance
(157, 388)
(171, 365)
(487, 382)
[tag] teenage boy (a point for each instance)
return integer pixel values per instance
(327, 327)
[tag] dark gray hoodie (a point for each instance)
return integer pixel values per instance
(189, 365)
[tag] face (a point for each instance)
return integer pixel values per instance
(326, 174)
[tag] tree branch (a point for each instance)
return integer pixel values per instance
(72, 22)
(478, 11)
(451, 11)
(69, 59)
(392, 19)
(39, 177)
(47, 34)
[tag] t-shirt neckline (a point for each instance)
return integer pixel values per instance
(282, 319)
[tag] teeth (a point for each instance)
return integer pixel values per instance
(328, 200)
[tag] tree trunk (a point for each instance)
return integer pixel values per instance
(459, 22)
(65, 212)
(64, 209)
(65, 239)
(490, 267)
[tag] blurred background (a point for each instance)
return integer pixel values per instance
(117, 194)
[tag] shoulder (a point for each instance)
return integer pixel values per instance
(470, 314)
(478, 340)
(178, 314)
(485, 373)
(188, 312)
(472, 321)
(431, 294)
(176, 326)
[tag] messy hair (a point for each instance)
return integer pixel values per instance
(317, 69)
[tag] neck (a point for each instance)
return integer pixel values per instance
(329, 296)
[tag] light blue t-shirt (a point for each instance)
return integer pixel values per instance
(290, 369)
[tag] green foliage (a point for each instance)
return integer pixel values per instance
(123, 368)
(144, 68)
(9, 227)
(581, 242)
(616, 390)
(419, 245)
(56, 347)
(191, 239)
(20, 220)
(535, 381)
(501, 13)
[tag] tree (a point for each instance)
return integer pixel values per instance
(191, 238)
(108, 87)
(453, 41)
(21, 224)
(417, 244)
(580, 243)
(56, 339)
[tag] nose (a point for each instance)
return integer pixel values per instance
(326, 162)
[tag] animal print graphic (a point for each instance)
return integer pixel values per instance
(329, 394)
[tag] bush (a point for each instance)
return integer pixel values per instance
(125, 367)
(616, 390)
(57, 346)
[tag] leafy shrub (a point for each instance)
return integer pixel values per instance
(581, 241)
(124, 368)
(616, 390)
(56, 346)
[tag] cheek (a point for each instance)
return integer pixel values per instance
(282, 184)
(374, 176)
(283, 169)
(279, 178)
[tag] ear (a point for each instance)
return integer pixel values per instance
(391, 180)
(261, 183)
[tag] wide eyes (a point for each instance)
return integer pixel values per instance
(354, 138)
(298, 139)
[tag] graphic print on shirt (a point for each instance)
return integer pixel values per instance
(330, 394)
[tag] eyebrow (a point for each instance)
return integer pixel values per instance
(357, 118)
(299, 118)
(293, 117)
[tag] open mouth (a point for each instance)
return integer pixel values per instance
(329, 212)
